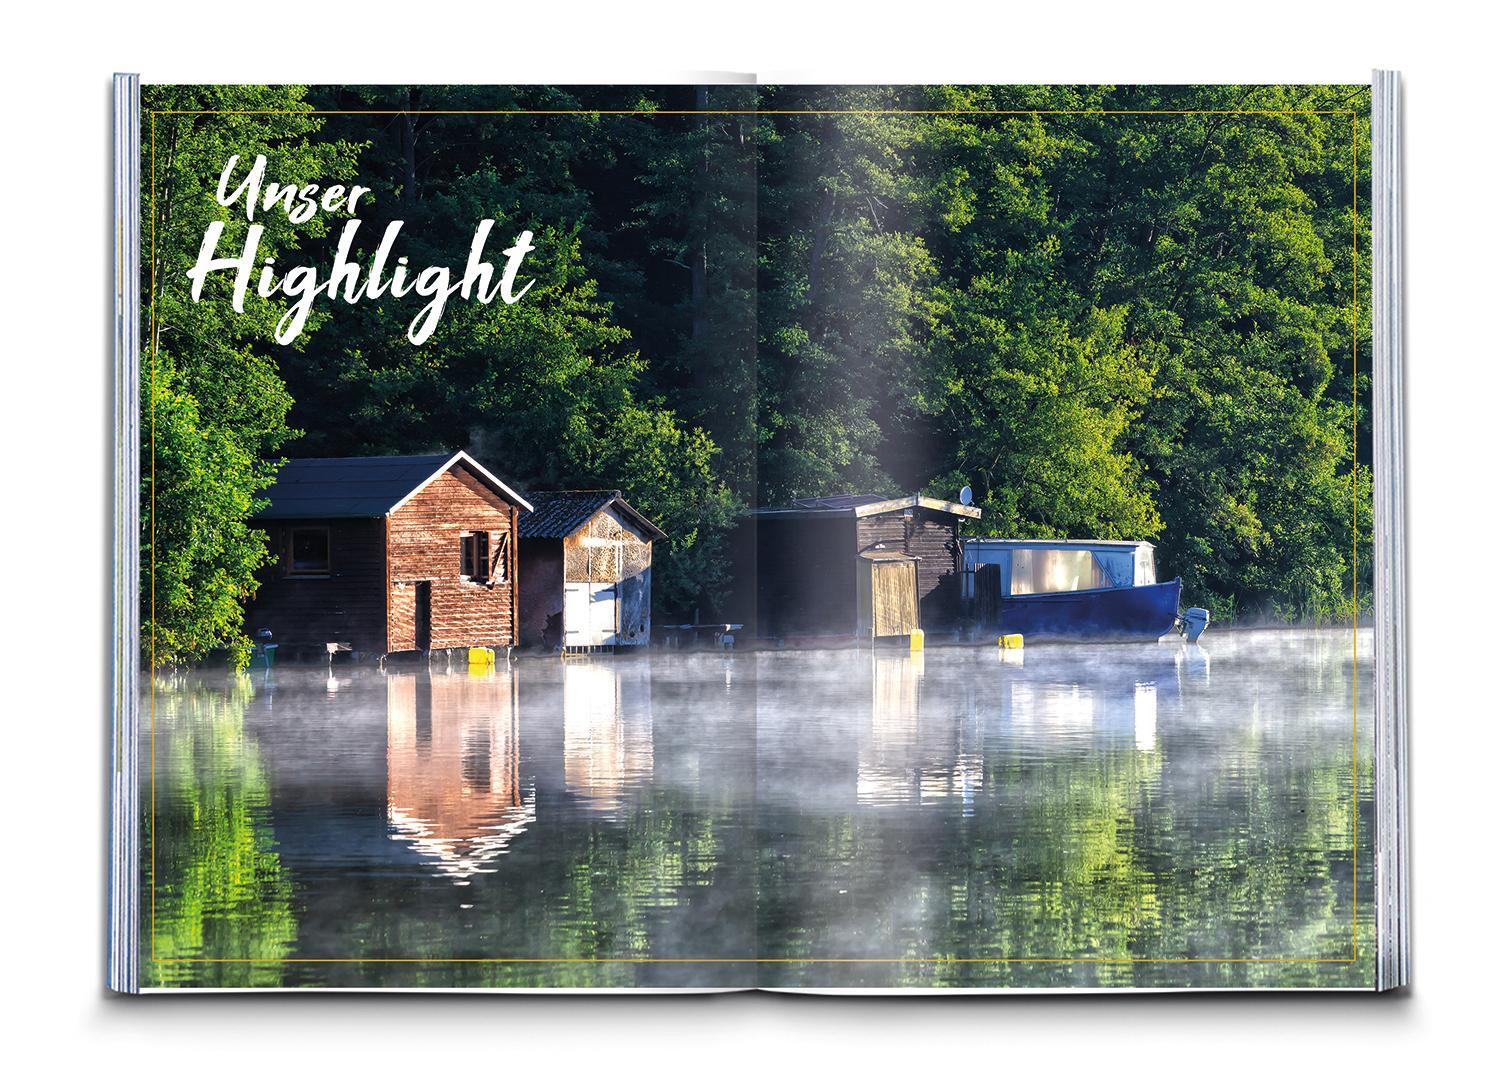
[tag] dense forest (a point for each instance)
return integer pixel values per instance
(1114, 312)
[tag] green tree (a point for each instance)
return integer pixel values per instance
(214, 405)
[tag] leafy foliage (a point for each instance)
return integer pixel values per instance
(1116, 312)
(215, 407)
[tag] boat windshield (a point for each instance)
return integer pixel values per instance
(1055, 571)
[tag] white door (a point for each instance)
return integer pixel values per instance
(576, 618)
(605, 614)
(589, 614)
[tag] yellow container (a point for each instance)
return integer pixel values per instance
(1012, 641)
(481, 658)
(917, 640)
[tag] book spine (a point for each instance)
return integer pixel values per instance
(1392, 913)
(124, 796)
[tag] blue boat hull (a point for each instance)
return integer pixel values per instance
(1130, 613)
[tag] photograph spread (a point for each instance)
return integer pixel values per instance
(734, 536)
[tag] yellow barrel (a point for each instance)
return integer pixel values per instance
(1012, 641)
(917, 640)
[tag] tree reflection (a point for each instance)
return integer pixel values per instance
(223, 908)
(1073, 817)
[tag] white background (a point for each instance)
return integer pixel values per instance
(54, 225)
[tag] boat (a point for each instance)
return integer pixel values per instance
(1057, 589)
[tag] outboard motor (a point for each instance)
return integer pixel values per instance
(1194, 622)
(263, 653)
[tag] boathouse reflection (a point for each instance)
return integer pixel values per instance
(454, 792)
(911, 756)
(607, 732)
(918, 751)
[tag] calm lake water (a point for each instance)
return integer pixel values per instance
(1073, 815)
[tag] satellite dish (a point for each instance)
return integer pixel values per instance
(966, 496)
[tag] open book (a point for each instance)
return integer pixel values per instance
(740, 536)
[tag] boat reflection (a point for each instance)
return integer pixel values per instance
(454, 792)
(1114, 705)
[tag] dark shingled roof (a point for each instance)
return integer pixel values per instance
(361, 487)
(559, 513)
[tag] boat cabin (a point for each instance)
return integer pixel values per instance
(857, 566)
(998, 569)
(585, 571)
(384, 554)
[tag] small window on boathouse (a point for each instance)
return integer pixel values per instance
(475, 557)
(306, 552)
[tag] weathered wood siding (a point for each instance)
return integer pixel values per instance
(933, 537)
(893, 602)
(808, 579)
(425, 546)
(609, 550)
(347, 605)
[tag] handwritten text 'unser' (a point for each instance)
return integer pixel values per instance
(345, 280)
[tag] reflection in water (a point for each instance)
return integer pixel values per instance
(606, 730)
(1145, 716)
(1068, 815)
(221, 888)
(454, 791)
(1052, 702)
(912, 756)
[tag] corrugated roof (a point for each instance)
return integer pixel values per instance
(362, 487)
(837, 503)
(861, 505)
(559, 513)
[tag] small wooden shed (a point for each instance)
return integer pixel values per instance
(585, 571)
(383, 554)
(857, 565)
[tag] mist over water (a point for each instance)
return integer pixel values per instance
(1070, 815)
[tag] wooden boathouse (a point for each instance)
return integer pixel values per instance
(384, 554)
(585, 571)
(858, 566)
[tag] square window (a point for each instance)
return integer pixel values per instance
(307, 551)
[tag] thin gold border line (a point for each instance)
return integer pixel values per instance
(1353, 116)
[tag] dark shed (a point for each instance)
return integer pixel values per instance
(585, 570)
(389, 553)
(857, 565)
